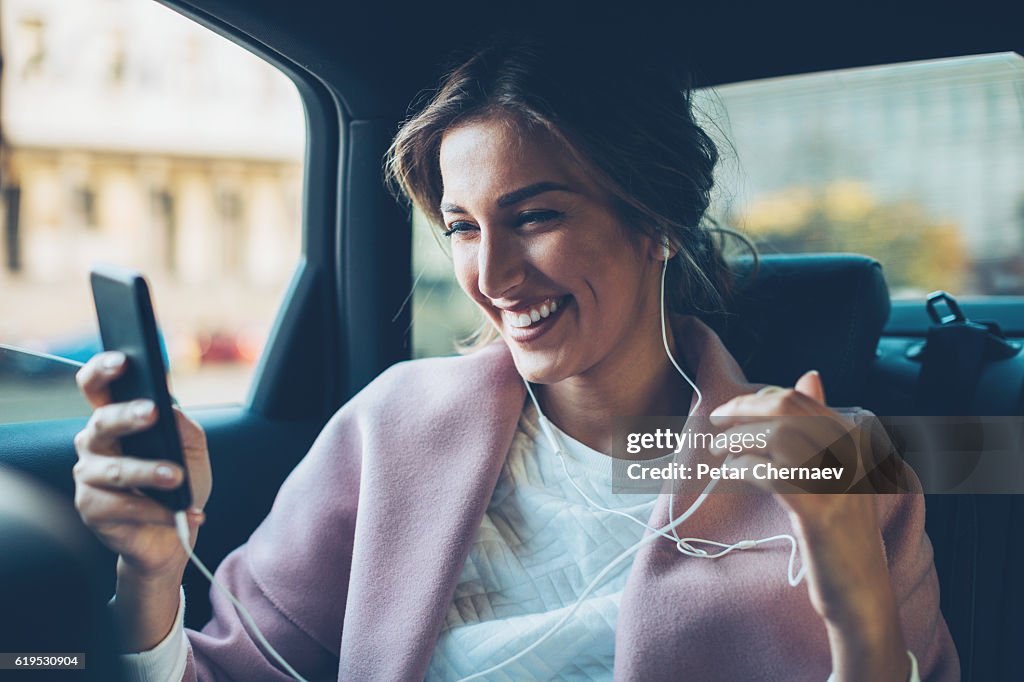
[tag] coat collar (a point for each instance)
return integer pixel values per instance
(427, 479)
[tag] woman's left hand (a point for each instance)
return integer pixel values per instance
(838, 533)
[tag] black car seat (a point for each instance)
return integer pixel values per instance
(793, 313)
(827, 312)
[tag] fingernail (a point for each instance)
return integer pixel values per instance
(142, 408)
(113, 359)
(196, 516)
(167, 473)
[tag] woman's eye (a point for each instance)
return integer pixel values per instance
(531, 217)
(458, 226)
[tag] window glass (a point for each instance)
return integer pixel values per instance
(35, 386)
(134, 136)
(920, 165)
(442, 314)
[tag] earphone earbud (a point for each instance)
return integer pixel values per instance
(666, 251)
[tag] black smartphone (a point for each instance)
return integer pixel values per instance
(128, 324)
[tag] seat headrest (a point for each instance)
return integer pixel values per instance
(809, 311)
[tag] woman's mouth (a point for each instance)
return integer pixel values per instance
(528, 323)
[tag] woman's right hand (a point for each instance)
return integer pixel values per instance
(131, 524)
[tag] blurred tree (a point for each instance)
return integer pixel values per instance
(919, 252)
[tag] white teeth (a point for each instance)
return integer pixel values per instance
(534, 315)
(516, 321)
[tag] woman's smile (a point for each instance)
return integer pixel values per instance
(527, 322)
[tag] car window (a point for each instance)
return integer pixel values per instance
(442, 314)
(920, 165)
(134, 136)
(36, 386)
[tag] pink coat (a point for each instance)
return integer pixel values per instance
(353, 570)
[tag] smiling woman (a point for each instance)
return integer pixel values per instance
(522, 240)
(593, 193)
(565, 178)
(457, 517)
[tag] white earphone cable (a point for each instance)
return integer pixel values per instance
(684, 545)
(552, 440)
(664, 339)
(668, 351)
(596, 581)
(181, 525)
(793, 576)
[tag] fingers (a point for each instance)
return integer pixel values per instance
(106, 507)
(747, 464)
(786, 442)
(819, 454)
(95, 376)
(744, 439)
(110, 422)
(102, 507)
(810, 385)
(125, 473)
(806, 398)
(769, 402)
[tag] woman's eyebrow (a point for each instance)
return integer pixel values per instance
(533, 190)
(451, 208)
(515, 196)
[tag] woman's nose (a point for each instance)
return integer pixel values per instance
(500, 266)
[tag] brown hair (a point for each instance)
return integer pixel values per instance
(624, 116)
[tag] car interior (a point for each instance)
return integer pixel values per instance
(358, 66)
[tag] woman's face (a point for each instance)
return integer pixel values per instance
(538, 247)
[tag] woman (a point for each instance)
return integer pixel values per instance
(444, 523)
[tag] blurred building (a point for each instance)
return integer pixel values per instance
(132, 135)
(946, 134)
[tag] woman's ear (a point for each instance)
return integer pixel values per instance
(663, 248)
(657, 246)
